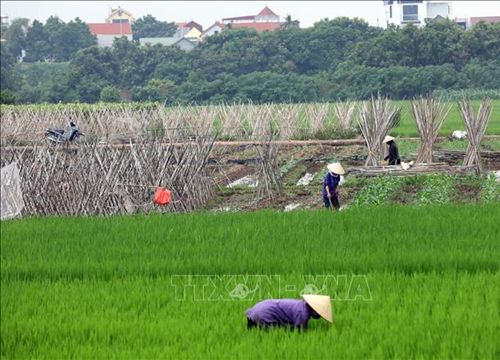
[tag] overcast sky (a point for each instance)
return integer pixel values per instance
(207, 12)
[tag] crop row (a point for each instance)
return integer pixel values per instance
(406, 282)
(395, 238)
(424, 189)
(406, 316)
(26, 123)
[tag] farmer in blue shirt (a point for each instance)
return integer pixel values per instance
(289, 312)
(330, 183)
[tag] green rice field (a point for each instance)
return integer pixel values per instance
(406, 282)
(453, 121)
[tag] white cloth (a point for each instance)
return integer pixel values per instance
(11, 195)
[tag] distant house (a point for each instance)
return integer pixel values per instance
(107, 32)
(190, 30)
(5, 22)
(216, 28)
(181, 43)
(264, 20)
(486, 19)
(467, 23)
(191, 34)
(119, 15)
(189, 25)
(403, 12)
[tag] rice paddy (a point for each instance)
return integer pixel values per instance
(406, 282)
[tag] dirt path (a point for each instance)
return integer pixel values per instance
(337, 142)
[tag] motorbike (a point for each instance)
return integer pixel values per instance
(55, 135)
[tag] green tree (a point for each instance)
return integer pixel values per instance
(289, 23)
(37, 43)
(67, 39)
(441, 42)
(167, 62)
(482, 42)
(340, 58)
(90, 70)
(15, 36)
(76, 35)
(110, 94)
(331, 41)
(148, 26)
(155, 90)
(7, 62)
(43, 82)
(130, 57)
(54, 28)
(7, 97)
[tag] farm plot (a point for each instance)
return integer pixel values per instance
(406, 282)
(119, 123)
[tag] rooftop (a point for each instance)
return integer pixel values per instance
(110, 28)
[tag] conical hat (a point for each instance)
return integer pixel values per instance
(321, 304)
(336, 168)
(387, 139)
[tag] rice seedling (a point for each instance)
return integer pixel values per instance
(406, 282)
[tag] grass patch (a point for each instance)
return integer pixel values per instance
(108, 287)
(453, 121)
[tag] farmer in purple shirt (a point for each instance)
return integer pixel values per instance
(330, 183)
(289, 312)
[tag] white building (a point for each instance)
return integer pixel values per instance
(216, 28)
(180, 42)
(402, 12)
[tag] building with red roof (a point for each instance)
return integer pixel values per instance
(107, 32)
(189, 25)
(486, 19)
(266, 19)
(467, 23)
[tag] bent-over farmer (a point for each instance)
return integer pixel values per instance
(330, 183)
(393, 156)
(289, 312)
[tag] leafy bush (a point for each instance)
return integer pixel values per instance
(110, 94)
(437, 190)
(378, 191)
(491, 189)
(7, 97)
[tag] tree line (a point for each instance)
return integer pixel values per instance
(334, 59)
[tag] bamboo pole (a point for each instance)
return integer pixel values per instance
(378, 116)
(429, 115)
(475, 127)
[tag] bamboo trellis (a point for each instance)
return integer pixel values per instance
(317, 115)
(378, 117)
(475, 127)
(429, 115)
(269, 180)
(103, 180)
(25, 125)
(344, 113)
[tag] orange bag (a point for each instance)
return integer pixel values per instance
(162, 196)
